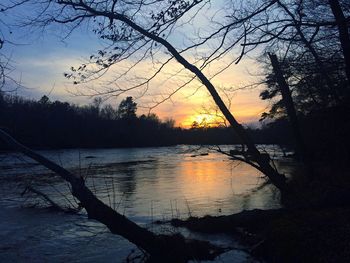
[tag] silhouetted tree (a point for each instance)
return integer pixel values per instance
(169, 123)
(343, 29)
(300, 27)
(120, 23)
(7, 83)
(127, 109)
(44, 100)
(195, 125)
(108, 112)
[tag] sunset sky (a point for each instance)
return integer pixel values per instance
(41, 58)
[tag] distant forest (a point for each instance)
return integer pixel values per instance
(46, 124)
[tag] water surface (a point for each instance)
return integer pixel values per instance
(145, 184)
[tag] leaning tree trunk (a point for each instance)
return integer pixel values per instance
(161, 248)
(343, 33)
(292, 115)
(265, 167)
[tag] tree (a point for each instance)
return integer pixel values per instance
(108, 112)
(127, 109)
(292, 115)
(44, 100)
(139, 30)
(5, 62)
(169, 123)
(2, 62)
(195, 125)
(293, 27)
(343, 29)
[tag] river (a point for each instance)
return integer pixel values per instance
(145, 184)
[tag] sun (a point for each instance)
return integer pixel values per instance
(203, 120)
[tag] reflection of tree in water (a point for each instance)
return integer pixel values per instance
(133, 174)
(118, 183)
(127, 181)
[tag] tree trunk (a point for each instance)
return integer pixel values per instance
(292, 115)
(276, 178)
(343, 33)
(161, 248)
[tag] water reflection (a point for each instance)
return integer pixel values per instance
(144, 184)
(127, 182)
(177, 184)
(161, 182)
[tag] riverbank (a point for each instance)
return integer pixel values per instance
(313, 226)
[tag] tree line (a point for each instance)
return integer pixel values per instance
(46, 124)
(50, 124)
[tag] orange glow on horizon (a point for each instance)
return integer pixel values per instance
(245, 114)
(246, 107)
(204, 119)
(193, 104)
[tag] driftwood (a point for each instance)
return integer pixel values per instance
(161, 248)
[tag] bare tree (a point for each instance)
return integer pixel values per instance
(4, 61)
(7, 82)
(137, 31)
(290, 28)
(141, 30)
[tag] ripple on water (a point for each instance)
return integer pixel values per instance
(144, 184)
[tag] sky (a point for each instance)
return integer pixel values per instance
(40, 58)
